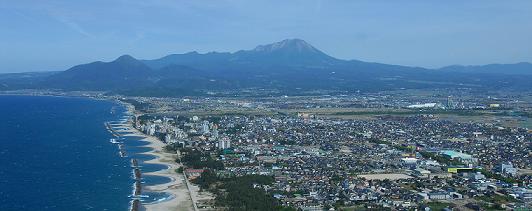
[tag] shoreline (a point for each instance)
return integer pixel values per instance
(179, 198)
(179, 195)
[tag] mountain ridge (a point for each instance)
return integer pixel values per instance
(520, 68)
(289, 66)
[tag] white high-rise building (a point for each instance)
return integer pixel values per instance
(224, 143)
(215, 133)
(205, 127)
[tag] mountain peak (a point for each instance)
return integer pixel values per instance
(126, 59)
(291, 45)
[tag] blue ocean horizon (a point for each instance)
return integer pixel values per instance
(55, 154)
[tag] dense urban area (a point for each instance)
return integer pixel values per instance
(401, 150)
(390, 150)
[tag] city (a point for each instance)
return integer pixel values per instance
(392, 152)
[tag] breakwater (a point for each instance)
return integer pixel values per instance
(135, 205)
(137, 175)
(137, 190)
(116, 140)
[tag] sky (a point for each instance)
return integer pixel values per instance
(55, 35)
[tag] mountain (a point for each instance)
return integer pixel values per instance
(123, 73)
(13, 81)
(291, 66)
(289, 52)
(190, 59)
(523, 68)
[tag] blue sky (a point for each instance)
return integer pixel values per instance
(55, 35)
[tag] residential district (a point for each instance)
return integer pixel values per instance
(364, 152)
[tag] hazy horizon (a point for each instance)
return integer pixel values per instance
(56, 35)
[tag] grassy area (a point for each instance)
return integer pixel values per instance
(437, 206)
(506, 116)
(353, 208)
(497, 199)
(418, 112)
(494, 201)
(227, 113)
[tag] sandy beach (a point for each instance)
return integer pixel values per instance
(181, 198)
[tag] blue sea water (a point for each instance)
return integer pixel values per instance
(55, 155)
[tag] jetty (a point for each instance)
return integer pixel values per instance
(134, 163)
(137, 175)
(121, 151)
(109, 128)
(135, 205)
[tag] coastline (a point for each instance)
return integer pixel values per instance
(180, 196)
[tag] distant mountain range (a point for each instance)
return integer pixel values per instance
(523, 68)
(290, 66)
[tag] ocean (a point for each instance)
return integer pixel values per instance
(55, 154)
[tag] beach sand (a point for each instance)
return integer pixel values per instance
(180, 199)
(184, 194)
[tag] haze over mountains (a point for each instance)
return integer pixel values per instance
(290, 66)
